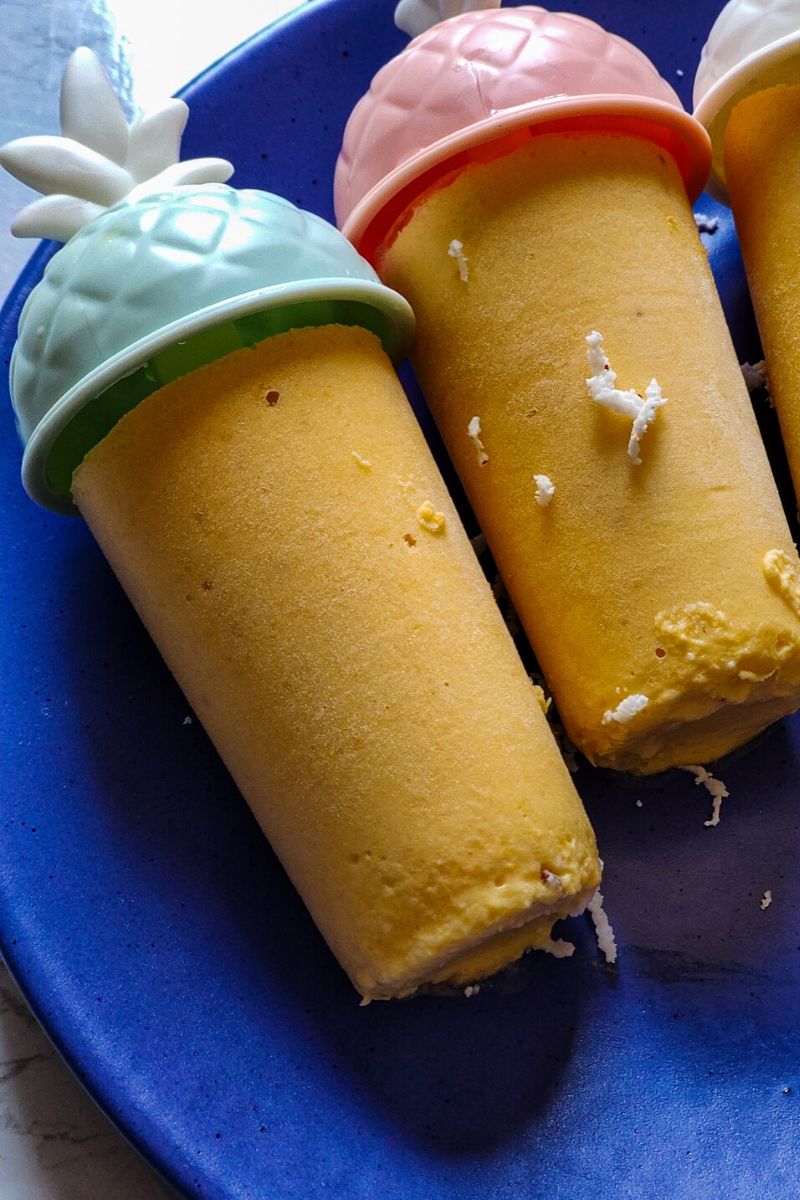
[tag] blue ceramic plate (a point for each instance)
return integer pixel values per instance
(164, 950)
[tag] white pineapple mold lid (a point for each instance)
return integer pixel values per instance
(160, 255)
(753, 44)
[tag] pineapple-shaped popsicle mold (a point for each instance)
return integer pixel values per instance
(747, 94)
(165, 267)
(482, 76)
(523, 177)
(753, 45)
(278, 521)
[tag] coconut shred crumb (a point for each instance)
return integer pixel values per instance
(364, 463)
(551, 880)
(715, 788)
(606, 941)
(456, 251)
(706, 224)
(783, 577)
(756, 378)
(545, 490)
(558, 947)
(766, 900)
(626, 710)
(430, 519)
(472, 990)
(603, 390)
(474, 434)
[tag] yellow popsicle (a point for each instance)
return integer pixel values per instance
(762, 159)
(661, 599)
(281, 527)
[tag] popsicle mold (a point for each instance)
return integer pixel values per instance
(753, 44)
(100, 159)
(478, 79)
(167, 278)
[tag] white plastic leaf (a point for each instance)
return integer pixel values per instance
(194, 170)
(90, 110)
(155, 141)
(415, 16)
(54, 164)
(57, 217)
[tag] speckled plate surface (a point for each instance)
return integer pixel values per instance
(161, 945)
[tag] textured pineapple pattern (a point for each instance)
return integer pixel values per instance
(149, 262)
(467, 70)
(743, 28)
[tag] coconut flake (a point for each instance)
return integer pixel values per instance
(756, 378)
(605, 934)
(474, 434)
(766, 900)
(706, 224)
(603, 390)
(781, 573)
(472, 990)
(715, 788)
(364, 463)
(626, 710)
(558, 947)
(456, 251)
(429, 518)
(545, 490)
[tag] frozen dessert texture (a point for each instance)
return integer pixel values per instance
(752, 45)
(747, 93)
(762, 156)
(646, 580)
(363, 690)
(205, 373)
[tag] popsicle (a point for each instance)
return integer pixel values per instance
(524, 178)
(747, 93)
(205, 374)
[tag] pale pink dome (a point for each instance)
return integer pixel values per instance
(473, 78)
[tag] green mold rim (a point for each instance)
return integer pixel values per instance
(91, 409)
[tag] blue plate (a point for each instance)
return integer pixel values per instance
(172, 963)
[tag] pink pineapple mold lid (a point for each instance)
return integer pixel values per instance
(482, 76)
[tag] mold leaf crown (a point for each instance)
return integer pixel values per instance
(100, 159)
(415, 16)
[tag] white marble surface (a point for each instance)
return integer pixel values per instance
(54, 1143)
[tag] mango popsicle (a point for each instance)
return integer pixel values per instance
(248, 462)
(549, 250)
(747, 93)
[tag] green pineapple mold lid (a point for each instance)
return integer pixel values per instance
(179, 270)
